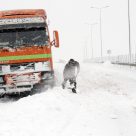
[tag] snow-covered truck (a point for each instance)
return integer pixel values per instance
(25, 50)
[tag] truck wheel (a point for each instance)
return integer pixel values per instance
(43, 86)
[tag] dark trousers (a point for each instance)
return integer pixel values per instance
(72, 82)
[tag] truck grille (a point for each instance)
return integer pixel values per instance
(24, 66)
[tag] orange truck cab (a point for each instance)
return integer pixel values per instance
(25, 50)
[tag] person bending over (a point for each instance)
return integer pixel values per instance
(70, 73)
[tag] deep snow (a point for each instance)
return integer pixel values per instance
(104, 106)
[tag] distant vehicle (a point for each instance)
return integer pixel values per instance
(25, 50)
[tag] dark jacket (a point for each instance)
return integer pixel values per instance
(71, 70)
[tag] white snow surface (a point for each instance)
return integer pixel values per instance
(105, 105)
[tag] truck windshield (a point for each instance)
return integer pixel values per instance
(18, 37)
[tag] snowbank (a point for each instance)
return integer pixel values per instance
(105, 106)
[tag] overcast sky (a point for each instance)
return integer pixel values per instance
(69, 17)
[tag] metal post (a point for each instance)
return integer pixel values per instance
(101, 35)
(92, 40)
(101, 41)
(91, 27)
(129, 27)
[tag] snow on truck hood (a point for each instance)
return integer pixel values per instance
(22, 20)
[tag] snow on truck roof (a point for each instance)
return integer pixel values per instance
(23, 13)
(28, 20)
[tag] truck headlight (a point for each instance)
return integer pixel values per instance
(43, 66)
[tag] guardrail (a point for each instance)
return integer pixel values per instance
(120, 59)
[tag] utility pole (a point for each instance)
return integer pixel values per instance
(129, 28)
(91, 28)
(100, 21)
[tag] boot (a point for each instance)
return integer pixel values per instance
(74, 90)
(63, 86)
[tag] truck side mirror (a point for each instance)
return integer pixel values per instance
(55, 39)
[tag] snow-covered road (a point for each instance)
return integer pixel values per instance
(104, 106)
